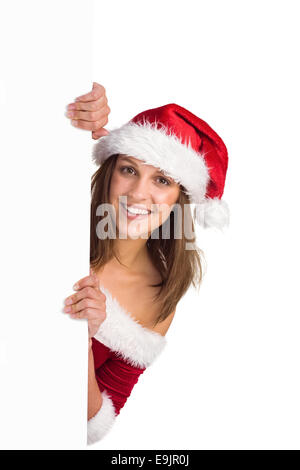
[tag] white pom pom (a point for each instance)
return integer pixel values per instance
(212, 213)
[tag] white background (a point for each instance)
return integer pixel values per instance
(228, 378)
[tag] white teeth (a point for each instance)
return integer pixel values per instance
(135, 211)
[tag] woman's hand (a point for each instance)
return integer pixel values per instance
(88, 302)
(90, 111)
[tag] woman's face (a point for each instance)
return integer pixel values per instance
(144, 187)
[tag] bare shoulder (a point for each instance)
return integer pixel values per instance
(162, 327)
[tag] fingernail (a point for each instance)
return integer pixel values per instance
(74, 123)
(68, 309)
(70, 114)
(76, 286)
(68, 301)
(71, 106)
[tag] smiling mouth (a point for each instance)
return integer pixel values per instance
(132, 215)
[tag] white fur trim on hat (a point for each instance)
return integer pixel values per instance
(160, 148)
(123, 334)
(101, 423)
(212, 213)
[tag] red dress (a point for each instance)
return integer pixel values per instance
(122, 350)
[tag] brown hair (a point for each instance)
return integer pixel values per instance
(177, 266)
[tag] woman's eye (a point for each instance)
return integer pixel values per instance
(166, 182)
(126, 168)
(129, 170)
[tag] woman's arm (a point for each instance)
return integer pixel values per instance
(94, 394)
(90, 303)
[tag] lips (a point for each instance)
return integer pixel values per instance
(133, 216)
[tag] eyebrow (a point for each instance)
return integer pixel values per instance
(123, 159)
(128, 160)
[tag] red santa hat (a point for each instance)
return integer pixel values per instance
(184, 147)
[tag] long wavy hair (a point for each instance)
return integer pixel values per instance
(178, 267)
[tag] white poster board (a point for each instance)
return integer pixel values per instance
(45, 212)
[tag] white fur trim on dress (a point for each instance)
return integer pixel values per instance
(99, 425)
(123, 334)
(158, 147)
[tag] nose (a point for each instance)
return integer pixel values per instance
(140, 190)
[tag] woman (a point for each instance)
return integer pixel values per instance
(143, 255)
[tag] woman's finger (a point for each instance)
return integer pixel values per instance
(88, 105)
(90, 126)
(91, 280)
(88, 115)
(96, 93)
(101, 133)
(83, 304)
(90, 314)
(86, 292)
